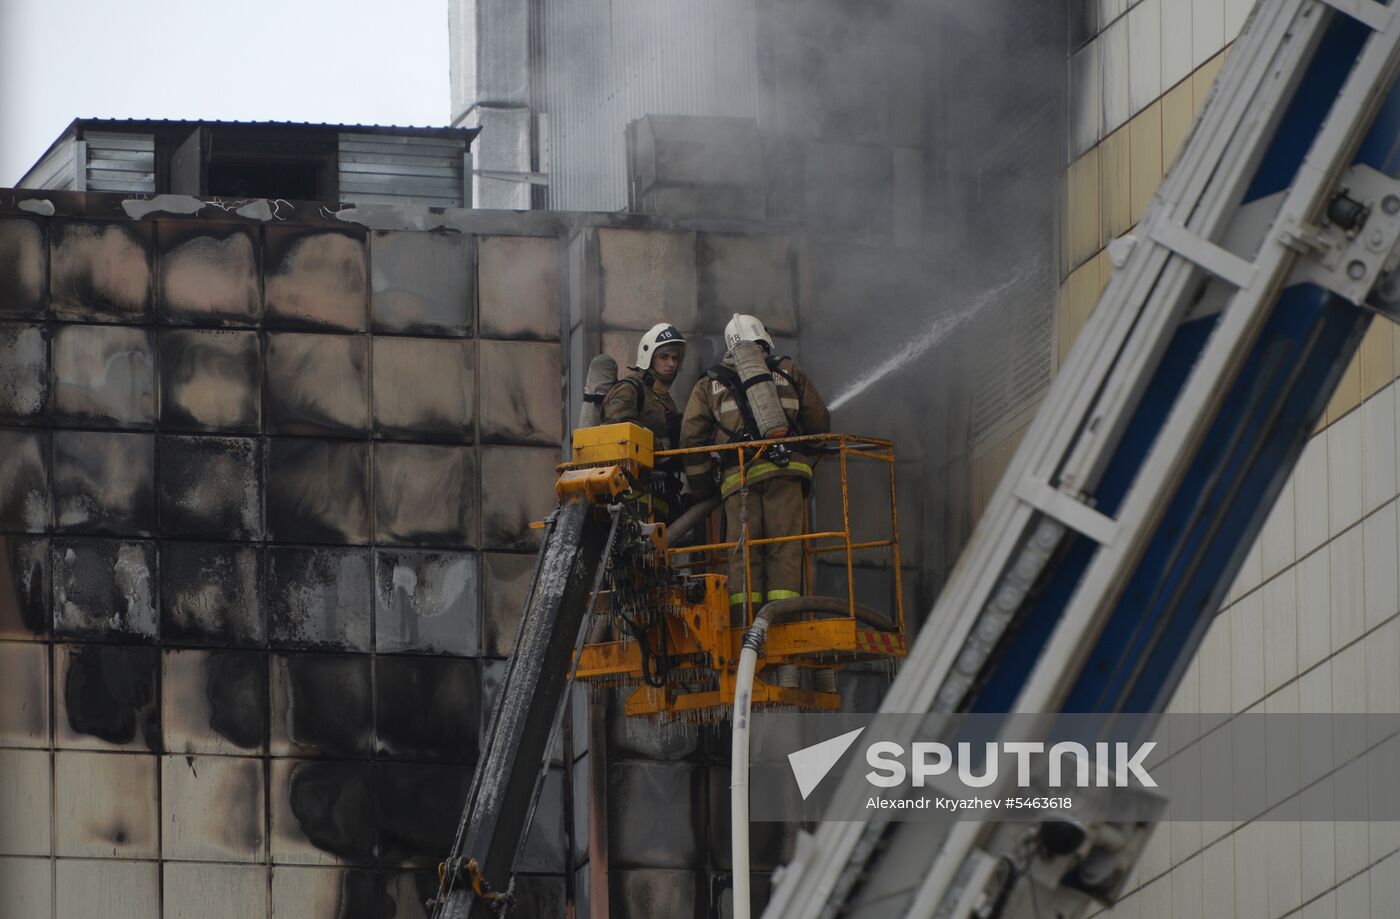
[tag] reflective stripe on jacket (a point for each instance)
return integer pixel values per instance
(712, 416)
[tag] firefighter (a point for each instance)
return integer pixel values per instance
(718, 412)
(643, 396)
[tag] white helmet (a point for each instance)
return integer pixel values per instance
(744, 327)
(661, 335)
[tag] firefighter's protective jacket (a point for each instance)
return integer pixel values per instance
(641, 398)
(713, 416)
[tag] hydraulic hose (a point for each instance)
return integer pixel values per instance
(752, 647)
(739, 761)
(687, 521)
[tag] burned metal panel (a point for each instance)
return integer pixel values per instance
(747, 274)
(770, 843)
(25, 593)
(100, 271)
(427, 710)
(317, 384)
(647, 276)
(315, 279)
(424, 388)
(426, 602)
(214, 701)
(24, 802)
(507, 584)
(520, 287)
(210, 273)
(24, 371)
(212, 808)
(421, 283)
(104, 588)
(321, 705)
(641, 893)
(539, 895)
(416, 810)
(520, 384)
(211, 487)
(210, 380)
(24, 698)
(105, 697)
(104, 483)
(322, 813)
(644, 739)
(329, 893)
(425, 494)
(24, 481)
(105, 805)
(115, 889)
(511, 494)
(27, 884)
(104, 375)
(211, 594)
(195, 890)
(545, 842)
(317, 491)
(319, 597)
(409, 891)
(656, 814)
(23, 266)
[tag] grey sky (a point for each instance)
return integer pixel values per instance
(354, 61)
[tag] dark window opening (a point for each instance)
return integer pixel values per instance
(244, 179)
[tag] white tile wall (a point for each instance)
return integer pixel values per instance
(1207, 30)
(1247, 651)
(1378, 449)
(1236, 11)
(1314, 609)
(1382, 581)
(1347, 591)
(1144, 54)
(1276, 541)
(1283, 857)
(1324, 907)
(1310, 496)
(1251, 872)
(1280, 626)
(1186, 889)
(1176, 41)
(1344, 473)
(1137, 57)
(1218, 878)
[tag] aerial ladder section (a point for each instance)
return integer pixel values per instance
(1156, 456)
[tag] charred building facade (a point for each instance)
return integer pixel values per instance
(267, 475)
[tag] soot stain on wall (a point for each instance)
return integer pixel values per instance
(332, 804)
(327, 704)
(110, 693)
(427, 709)
(22, 266)
(236, 691)
(24, 586)
(417, 807)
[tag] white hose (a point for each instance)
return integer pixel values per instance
(739, 765)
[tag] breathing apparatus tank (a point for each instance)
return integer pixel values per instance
(745, 337)
(759, 389)
(602, 374)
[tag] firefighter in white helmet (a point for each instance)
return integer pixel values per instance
(719, 412)
(643, 396)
